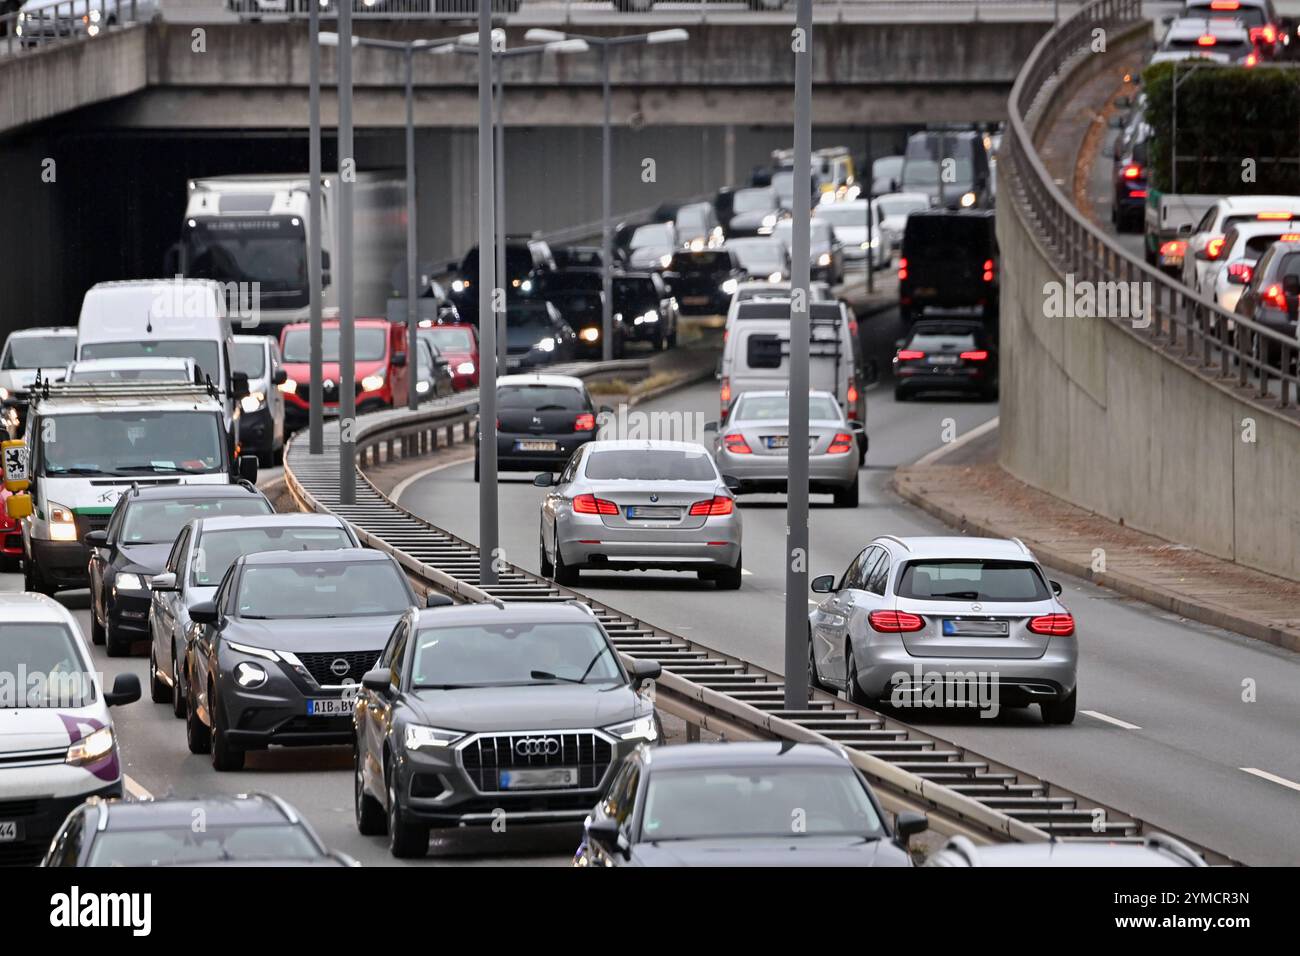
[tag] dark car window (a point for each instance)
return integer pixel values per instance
(512, 654)
(178, 551)
(30, 351)
(68, 850)
(709, 261)
(655, 464)
(330, 589)
(929, 235)
(218, 550)
(876, 580)
(210, 844)
(1290, 265)
(974, 579)
(159, 522)
(250, 358)
(396, 654)
(541, 397)
(937, 341)
(851, 572)
(862, 580)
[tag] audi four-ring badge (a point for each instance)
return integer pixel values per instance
(476, 714)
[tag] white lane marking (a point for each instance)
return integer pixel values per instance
(931, 457)
(1264, 774)
(400, 488)
(744, 571)
(1097, 715)
(134, 789)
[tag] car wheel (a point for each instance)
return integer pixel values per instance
(814, 680)
(371, 820)
(854, 691)
(224, 756)
(406, 840)
(847, 497)
(159, 692)
(672, 337)
(197, 735)
(178, 687)
(900, 395)
(729, 578)
(96, 629)
(114, 644)
(1060, 711)
(547, 569)
(475, 469)
(563, 573)
(34, 581)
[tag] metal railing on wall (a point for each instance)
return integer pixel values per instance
(64, 21)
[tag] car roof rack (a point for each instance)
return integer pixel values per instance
(964, 847)
(1022, 545)
(1162, 841)
(896, 539)
(88, 390)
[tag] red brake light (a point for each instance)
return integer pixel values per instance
(717, 505)
(895, 622)
(1137, 194)
(591, 505)
(1132, 171)
(902, 267)
(979, 355)
(726, 394)
(1242, 270)
(1251, 60)
(841, 443)
(852, 396)
(1275, 297)
(1053, 625)
(1225, 4)
(586, 422)
(1174, 247)
(1273, 215)
(1214, 248)
(909, 355)
(1289, 237)
(1206, 39)
(988, 270)
(737, 445)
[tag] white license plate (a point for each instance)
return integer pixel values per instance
(959, 628)
(532, 445)
(540, 778)
(652, 511)
(943, 360)
(778, 441)
(333, 706)
(11, 831)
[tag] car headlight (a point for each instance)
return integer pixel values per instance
(769, 220)
(421, 387)
(459, 285)
(263, 652)
(91, 747)
(730, 286)
(775, 277)
(63, 525)
(665, 261)
(94, 16)
(642, 728)
(250, 675)
(4, 394)
(824, 259)
(372, 383)
(130, 582)
(289, 386)
(526, 285)
(253, 401)
(419, 737)
(545, 345)
(696, 245)
(465, 368)
(650, 316)
(968, 200)
(590, 334)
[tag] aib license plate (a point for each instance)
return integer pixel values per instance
(961, 628)
(333, 706)
(542, 778)
(942, 360)
(11, 831)
(650, 511)
(525, 444)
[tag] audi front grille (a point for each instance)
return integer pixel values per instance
(485, 756)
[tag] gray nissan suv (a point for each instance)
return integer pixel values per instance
(484, 712)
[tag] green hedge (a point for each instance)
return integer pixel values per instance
(1226, 114)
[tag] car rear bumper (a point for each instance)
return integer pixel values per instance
(771, 472)
(946, 379)
(886, 665)
(586, 544)
(510, 458)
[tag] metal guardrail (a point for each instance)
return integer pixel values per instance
(64, 21)
(964, 791)
(1218, 345)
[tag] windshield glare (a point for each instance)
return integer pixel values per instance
(159, 522)
(658, 464)
(39, 352)
(504, 654)
(449, 340)
(48, 655)
(332, 589)
(371, 342)
(218, 550)
(209, 844)
(250, 358)
(655, 234)
(777, 407)
(132, 443)
(206, 354)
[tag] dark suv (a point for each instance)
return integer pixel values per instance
(482, 713)
(949, 260)
(703, 282)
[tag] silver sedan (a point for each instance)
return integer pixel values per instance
(640, 504)
(752, 445)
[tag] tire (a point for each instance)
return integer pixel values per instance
(114, 644)
(178, 693)
(672, 337)
(406, 840)
(854, 691)
(847, 497)
(476, 469)
(224, 756)
(729, 578)
(900, 395)
(547, 569)
(369, 812)
(96, 629)
(197, 735)
(1060, 711)
(563, 573)
(813, 679)
(159, 692)
(907, 314)
(34, 581)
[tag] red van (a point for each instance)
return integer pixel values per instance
(381, 367)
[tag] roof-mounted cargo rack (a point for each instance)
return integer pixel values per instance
(88, 390)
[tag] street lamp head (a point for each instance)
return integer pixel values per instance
(676, 35)
(472, 39)
(567, 46)
(330, 38)
(540, 35)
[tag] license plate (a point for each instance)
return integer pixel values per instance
(651, 511)
(541, 778)
(778, 441)
(943, 360)
(333, 706)
(975, 628)
(11, 831)
(925, 290)
(534, 445)
(1171, 260)
(695, 300)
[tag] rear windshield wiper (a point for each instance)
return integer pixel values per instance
(549, 408)
(968, 595)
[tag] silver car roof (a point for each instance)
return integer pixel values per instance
(955, 546)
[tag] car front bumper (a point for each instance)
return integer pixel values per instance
(61, 563)
(128, 613)
(39, 799)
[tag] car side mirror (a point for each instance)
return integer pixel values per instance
(710, 426)
(823, 583)
(1056, 588)
(606, 831)
(908, 824)
(1291, 284)
(248, 468)
(205, 612)
(95, 539)
(1167, 19)
(1185, 229)
(642, 671)
(437, 599)
(732, 483)
(163, 582)
(544, 480)
(605, 410)
(399, 359)
(279, 376)
(239, 384)
(378, 680)
(126, 690)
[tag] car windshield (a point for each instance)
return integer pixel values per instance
(159, 522)
(654, 234)
(844, 214)
(329, 589)
(753, 200)
(920, 173)
(651, 464)
(692, 221)
(510, 654)
(579, 307)
(100, 375)
(541, 398)
(450, 340)
(177, 846)
(132, 443)
(635, 293)
(371, 344)
(270, 251)
(937, 341)
(206, 354)
(900, 207)
(777, 407)
(974, 579)
(218, 550)
(249, 358)
(47, 351)
(757, 803)
(54, 672)
(766, 255)
(819, 231)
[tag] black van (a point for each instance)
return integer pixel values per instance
(949, 261)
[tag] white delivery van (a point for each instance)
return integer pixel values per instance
(87, 444)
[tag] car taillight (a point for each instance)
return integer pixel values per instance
(1053, 625)
(1137, 194)
(1206, 39)
(725, 394)
(1273, 215)
(1174, 247)
(978, 355)
(909, 355)
(1289, 237)
(1242, 270)
(1225, 4)
(1132, 171)
(902, 268)
(841, 443)
(988, 270)
(852, 397)
(737, 445)
(1251, 60)
(1274, 296)
(895, 622)
(717, 505)
(586, 422)
(591, 505)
